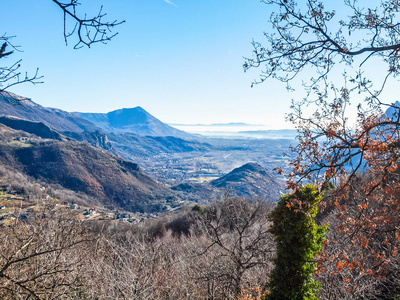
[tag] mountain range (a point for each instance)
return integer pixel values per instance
(127, 120)
(57, 147)
(131, 133)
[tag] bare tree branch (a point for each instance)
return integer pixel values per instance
(86, 31)
(89, 30)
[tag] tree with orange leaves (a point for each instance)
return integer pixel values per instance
(348, 126)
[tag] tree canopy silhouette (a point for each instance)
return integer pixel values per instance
(357, 148)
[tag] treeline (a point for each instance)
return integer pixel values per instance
(221, 251)
(204, 253)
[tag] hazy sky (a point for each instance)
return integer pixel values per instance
(181, 60)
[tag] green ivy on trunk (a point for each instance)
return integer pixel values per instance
(298, 241)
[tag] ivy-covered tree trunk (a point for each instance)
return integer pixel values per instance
(298, 241)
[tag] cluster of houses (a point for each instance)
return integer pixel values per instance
(87, 213)
(93, 213)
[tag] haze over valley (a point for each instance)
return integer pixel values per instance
(130, 160)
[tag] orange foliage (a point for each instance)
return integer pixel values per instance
(254, 293)
(366, 207)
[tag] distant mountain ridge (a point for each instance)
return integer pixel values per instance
(127, 120)
(56, 119)
(132, 120)
(15, 110)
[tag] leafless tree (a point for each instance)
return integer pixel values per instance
(309, 42)
(11, 75)
(358, 264)
(342, 126)
(43, 256)
(227, 248)
(307, 35)
(133, 266)
(83, 29)
(88, 30)
(237, 249)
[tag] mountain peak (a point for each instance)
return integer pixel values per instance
(251, 180)
(129, 109)
(251, 166)
(127, 116)
(133, 120)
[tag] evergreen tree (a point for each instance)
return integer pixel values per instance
(298, 241)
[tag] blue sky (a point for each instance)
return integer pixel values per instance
(180, 59)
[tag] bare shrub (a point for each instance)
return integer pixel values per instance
(43, 257)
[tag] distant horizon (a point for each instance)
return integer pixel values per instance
(232, 126)
(244, 131)
(216, 124)
(177, 125)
